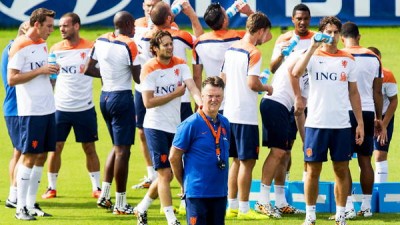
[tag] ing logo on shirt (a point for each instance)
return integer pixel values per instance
(309, 152)
(344, 63)
(193, 220)
(35, 143)
(163, 158)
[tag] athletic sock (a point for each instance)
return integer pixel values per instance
(280, 198)
(105, 190)
(52, 178)
(95, 180)
(12, 195)
(23, 177)
(34, 182)
(340, 213)
(233, 203)
(169, 214)
(381, 171)
(264, 194)
(310, 213)
(349, 203)
(120, 199)
(366, 202)
(244, 206)
(144, 204)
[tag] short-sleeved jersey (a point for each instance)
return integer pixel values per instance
(209, 49)
(182, 41)
(242, 59)
(329, 76)
(368, 67)
(389, 88)
(10, 99)
(195, 139)
(304, 42)
(73, 92)
(162, 80)
(283, 91)
(142, 26)
(115, 55)
(35, 97)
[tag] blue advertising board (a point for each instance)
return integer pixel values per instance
(101, 12)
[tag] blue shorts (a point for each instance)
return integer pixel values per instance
(318, 141)
(292, 126)
(244, 141)
(186, 110)
(367, 146)
(159, 144)
(140, 109)
(84, 124)
(204, 211)
(38, 134)
(275, 118)
(118, 111)
(12, 123)
(389, 129)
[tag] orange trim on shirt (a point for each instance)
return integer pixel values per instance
(286, 36)
(388, 76)
(63, 45)
(20, 43)
(339, 53)
(123, 38)
(153, 64)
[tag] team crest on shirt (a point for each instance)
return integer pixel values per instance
(309, 152)
(344, 63)
(45, 49)
(193, 220)
(83, 55)
(35, 143)
(163, 158)
(176, 71)
(343, 76)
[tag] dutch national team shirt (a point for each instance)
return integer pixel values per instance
(368, 67)
(241, 60)
(163, 80)
(304, 42)
(329, 75)
(115, 54)
(283, 91)
(209, 49)
(35, 97)
(194, 138)
(10, 99)
(389, 88)
(73, 91)
(182, 41)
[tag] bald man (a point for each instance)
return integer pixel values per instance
(116, 53)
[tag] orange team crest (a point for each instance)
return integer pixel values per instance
(193, 220)
(344, 63)
(163, 158)
(176, 71)
(309, 152)
(343, 76)
(35, 143)
(83, 55)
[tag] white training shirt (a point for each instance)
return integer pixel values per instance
(163, 79)
(389, 88)
(73, 91)
(283, 91)
(35, 97)
(241, 103)
(368, 67)
(115, 55)
(329, 77)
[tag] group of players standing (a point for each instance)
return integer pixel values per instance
(316, 71)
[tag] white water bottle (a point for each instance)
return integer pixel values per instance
(176, 9)
(232, 10)
(264, 76)
(292, 43)
(51, 59)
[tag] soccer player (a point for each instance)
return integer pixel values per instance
(28, 72)
(209, 49)
(381, 145)
(332, 85)
(240, 72)
(369, 82)
(116, 53)
(10, 112)
(277, 164)
(164, 79)
(202, 141)
(74, 103)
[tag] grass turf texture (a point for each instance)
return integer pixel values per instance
(74, 204)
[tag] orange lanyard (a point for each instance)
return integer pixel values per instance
(216, 134)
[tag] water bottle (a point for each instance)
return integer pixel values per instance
(264, 78)
(52, 60)
(292, 43)
(319, 36)
(232, 10)
(176, 9)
